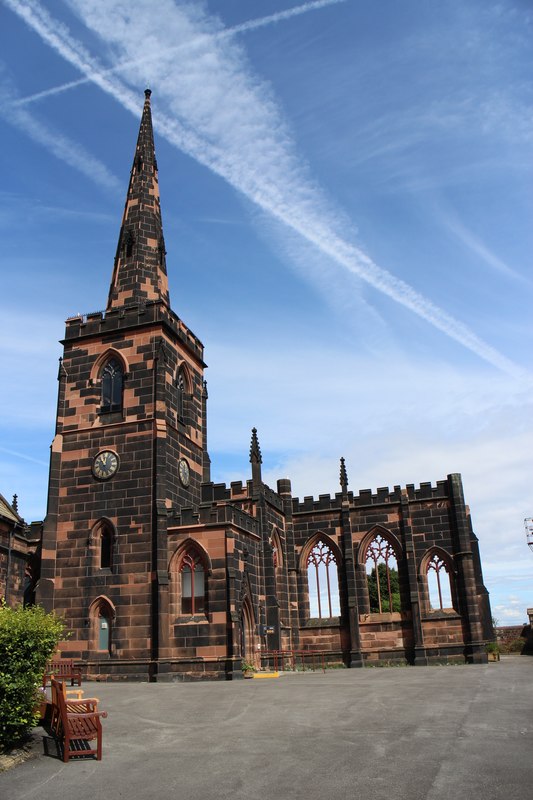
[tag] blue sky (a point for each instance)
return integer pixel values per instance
(346, 195)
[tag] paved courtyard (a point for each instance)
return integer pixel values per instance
(415, 733)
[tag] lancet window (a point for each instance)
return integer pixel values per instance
(382, 576)
(112, 386)
(438, 583)
(180, 395)
(106, 548)
(193, 584)
(102, 615)
(323, 582)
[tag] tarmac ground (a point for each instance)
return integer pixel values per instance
(413, 733)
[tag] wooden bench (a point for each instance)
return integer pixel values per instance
(71, 697)
(76, 724)
(62, 669)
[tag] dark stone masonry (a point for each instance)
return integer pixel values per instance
(162, 574)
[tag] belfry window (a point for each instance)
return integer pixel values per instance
(382, 577)
(180, 396)
(323, 582)
(438, 583)
(112, 386)
(106, 548)
(193, 584)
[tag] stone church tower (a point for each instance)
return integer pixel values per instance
(130, 441)
(163, 575)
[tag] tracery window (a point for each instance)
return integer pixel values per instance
(193, 584)
(438, 583)
(112, 386)
(382, 576)
(323, 582)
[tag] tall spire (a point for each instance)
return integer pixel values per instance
(140, 272)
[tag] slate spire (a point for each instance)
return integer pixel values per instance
(140, 273)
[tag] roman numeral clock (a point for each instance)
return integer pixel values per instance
(105, 465)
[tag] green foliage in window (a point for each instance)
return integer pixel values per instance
(28, 638)
(386, 599)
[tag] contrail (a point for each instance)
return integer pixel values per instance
(253, 24)
(23, 456)
(291, 199)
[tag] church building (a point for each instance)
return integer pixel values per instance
(164, 575)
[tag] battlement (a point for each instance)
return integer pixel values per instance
(383, 495)
(135, 315)
(216, 492)
(209, 514)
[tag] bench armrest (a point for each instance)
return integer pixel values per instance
(90, 714)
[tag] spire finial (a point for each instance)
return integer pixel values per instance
(147, 93)
(15, 504)
(255, 450)
(256, 460)
(343, 477)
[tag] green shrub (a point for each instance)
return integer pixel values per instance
(28, 638)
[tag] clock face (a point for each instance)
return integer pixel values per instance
(184, 472)
(105, 465)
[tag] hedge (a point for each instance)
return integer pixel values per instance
(28, 638)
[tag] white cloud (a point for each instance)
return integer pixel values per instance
(231, 123)
(57, 143)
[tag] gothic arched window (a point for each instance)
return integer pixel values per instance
(323, 582)
(180, 396)
(193, 584)
(112, 386)
(438, 583)
(101, 615)
(106, 548)
(382, 577)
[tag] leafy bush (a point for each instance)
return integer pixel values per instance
(28, 638)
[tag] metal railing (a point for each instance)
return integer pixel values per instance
(295, 660)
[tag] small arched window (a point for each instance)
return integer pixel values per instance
(438, 583)
(193, 584)
(277, 550)
(323, 582)
(382, 577)
(104, 629)
(106, 548)
(102, 616)
(180, 396)
(112, 386)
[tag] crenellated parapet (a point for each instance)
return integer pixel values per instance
(126, 318)
(237, 490)
(366, 497)
(214, 515)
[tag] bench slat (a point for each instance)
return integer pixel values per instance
(77, 724)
